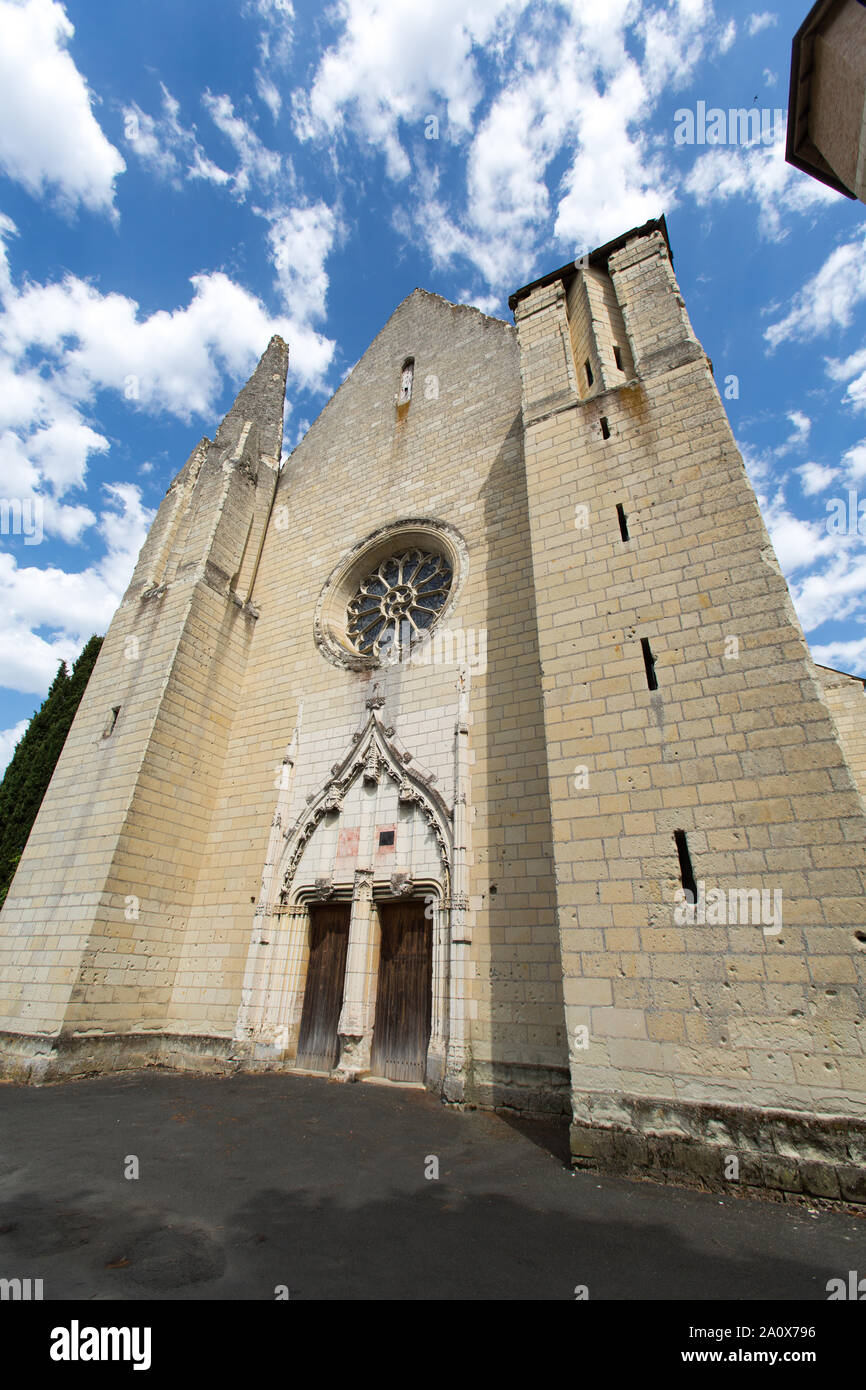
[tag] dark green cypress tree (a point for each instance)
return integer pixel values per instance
(29, 772)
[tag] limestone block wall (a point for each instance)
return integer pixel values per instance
(597, 333)
(837, 92)
(453, 456)
(91, 931)
(847, 700)
(734, 748)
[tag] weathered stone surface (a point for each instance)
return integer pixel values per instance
(644, 678)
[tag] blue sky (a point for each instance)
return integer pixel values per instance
(180, 179)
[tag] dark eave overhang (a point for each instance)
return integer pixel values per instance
(600, 256)
(799, 149)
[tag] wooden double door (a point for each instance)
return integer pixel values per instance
(401, 1031)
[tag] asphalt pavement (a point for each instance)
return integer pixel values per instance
(267, 1186)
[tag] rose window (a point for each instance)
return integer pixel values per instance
(398, 602)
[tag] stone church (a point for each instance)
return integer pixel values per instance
(478, 747)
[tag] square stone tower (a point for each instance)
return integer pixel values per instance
(478, 747)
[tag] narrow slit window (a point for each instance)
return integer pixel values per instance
(605, 428)
(407, 374)
(588, 369)
(649, 662)
(112, 720)
(621, 518)
(617, 357)
(687, 873)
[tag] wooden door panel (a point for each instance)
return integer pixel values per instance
(401, 1032)
(323, 996)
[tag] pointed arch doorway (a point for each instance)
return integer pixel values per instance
(373, 846)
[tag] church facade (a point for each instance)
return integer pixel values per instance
(479, 747)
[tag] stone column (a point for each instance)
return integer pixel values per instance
(286, 995)
(355, 1028)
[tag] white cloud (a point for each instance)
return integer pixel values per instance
(300, 240)
(173, 151)
(826, 571)
(491, 304)
(170, 149)
(171, 360)
(798, 436)
(815, 477)
(276, 37)
(62, 344)
(396, 62)
(255, 161)
(853, 370)
(757, 22)
(759, 173)
(834, 593)
(568, 86)
(843, 656)
(827, 300)
(50, 141)
(797, 543)
(70, 606)
(675, 37)
(8, 740)
(854, 463)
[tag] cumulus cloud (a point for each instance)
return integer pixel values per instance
(827, 301)
(757, 172)
(394, 63)
(825, 566)
(797, 543)
(834, 592)
(854, 463)
(173, 360)
(61, 345)
(815, 477)
(50, 140)
(523, 89)
(798, 436)
(300, 241)
(49, 613)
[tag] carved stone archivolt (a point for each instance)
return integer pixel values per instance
(372, 756)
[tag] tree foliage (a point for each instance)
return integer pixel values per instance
(29, 772)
